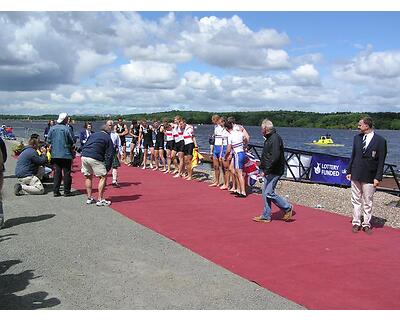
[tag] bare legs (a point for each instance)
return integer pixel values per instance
(101, 186)
(216, 166)
(240, 179)
(159, 157)
(181, 165)
(88, 185)
(169, 152)
(145, 155)
(188, 161)
(225, 164)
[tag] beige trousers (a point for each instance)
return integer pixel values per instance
(362, 195)
(31, 185)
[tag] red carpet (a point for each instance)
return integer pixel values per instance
(315, 261)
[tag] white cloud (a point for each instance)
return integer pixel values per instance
(77, 97)
(89, 61)
(149, 74)
(57, 97)
(229, 43)
(159, 52)
(379, 64)
(370, 65)
(306, 75)
(196, 80)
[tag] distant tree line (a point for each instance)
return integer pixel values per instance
(338, 120)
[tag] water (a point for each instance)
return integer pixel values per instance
(293, 137)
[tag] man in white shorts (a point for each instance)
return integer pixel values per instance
(97, 156)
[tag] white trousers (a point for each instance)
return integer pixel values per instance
(362, 195)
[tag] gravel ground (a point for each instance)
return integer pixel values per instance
(327, 198)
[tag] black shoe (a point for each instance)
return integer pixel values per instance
(239, 195)
(355, 228)
(17, 189)
(68, 194)
(367, 230)
(57, 194)
(116, 185)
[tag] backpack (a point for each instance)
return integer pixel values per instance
(137, 157)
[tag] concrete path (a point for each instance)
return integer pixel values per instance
(61, 253)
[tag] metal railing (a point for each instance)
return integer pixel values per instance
(390, 176)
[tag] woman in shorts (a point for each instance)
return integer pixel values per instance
(169, 145)
(134, 133)
(122, 129)
(235, 152)
(219, 150)
(146, 135)
(189, 145)
(178, 147)
(159, 146)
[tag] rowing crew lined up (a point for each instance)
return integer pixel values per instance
(176, 138)
(228, 153)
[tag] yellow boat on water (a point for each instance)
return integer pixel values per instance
(325, 141)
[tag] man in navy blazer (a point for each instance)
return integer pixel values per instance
(365, 172)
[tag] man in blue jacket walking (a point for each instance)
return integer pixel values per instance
(97, 156)
(61, 141)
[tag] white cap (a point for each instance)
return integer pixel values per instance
(62, 117)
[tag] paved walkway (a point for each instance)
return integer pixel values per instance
(60, 253)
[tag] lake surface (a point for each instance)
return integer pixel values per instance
(293, 137)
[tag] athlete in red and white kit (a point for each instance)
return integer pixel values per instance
(178, 147)
(189, 145)
(169, 146)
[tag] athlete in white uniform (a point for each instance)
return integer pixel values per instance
(217, 150)
(190, 144)
(169, 145)
(236, 152)
(178, 147)
(224, 162)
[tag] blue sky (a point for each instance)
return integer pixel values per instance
(110, 62)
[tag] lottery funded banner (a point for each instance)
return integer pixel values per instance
(329, 169)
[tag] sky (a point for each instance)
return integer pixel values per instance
(136, 62)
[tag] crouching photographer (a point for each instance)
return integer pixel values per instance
(30, 169)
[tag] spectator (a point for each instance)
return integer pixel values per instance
(272, 166)
(97, 157)
(71, 128)
(47, 129)
(30, 169)
(61, 141)
(365, 171)
(3, 159)
(84, 135)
